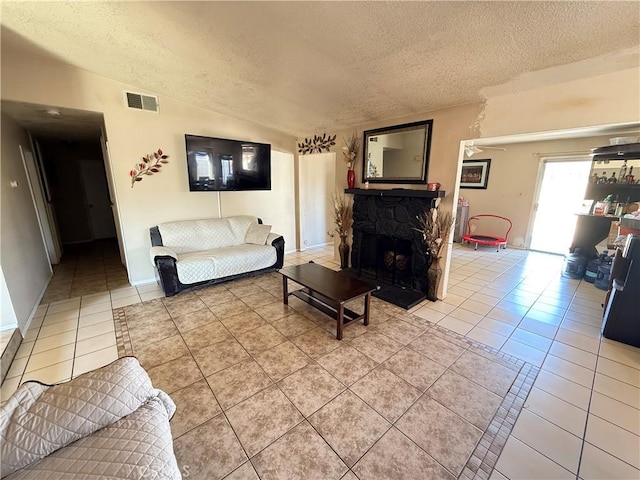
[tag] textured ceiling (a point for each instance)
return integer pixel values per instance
(304, 67)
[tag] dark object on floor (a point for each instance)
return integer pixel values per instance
(478, 227)
(575, 265)
(328, 291)
(402, 297)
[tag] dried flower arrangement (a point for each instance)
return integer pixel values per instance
(316, 144)
(341, 215)
(351, 149)
(150, 164)
(435, 229)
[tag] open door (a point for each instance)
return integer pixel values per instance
(112, 197)
(37, 194)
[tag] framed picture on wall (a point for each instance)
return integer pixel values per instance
(475, 173)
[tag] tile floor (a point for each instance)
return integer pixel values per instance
(581, 419)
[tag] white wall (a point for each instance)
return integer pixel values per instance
(132, 134)
(317, 185)
(23, 256)
(599, 100)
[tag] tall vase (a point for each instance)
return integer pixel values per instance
(434, 274)
(343, 249)
(351, 178)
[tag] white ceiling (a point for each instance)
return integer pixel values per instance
(306, 67)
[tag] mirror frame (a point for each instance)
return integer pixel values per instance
(396, 129)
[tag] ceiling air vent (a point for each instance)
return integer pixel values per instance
(142, 102)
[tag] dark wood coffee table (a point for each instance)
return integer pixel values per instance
(328, 291)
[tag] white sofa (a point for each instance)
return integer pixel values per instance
(194, 253)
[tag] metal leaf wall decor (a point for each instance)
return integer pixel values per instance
(150, 164)
(316, 144)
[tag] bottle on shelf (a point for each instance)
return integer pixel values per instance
(628, 179)
(612, 178)
(623, 172)
(594, 178)
(602, 178)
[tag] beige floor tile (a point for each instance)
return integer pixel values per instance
(387, 393)
(557, 411)
(95, 359)
(53, 318)
(300, 453)
(50, 357)
(194, 320)
(216, 357)
(261, 339)
(94, 318)
(548, 439)
(441, 433)
(242, 323)
(153, 354)
(430, 314)
(597, 465)
(195, 455)
(18, 366)
(418, 370)
(195, 405)
(575, 355)
(316, 342)
(539, 328)
(580, 328)
(518, 461)
(125, 301)
(470, 401)
(64, 305)
(282, 360)
(491, 375)
(123, 292)
(614, 440)
(436, 348)
(531, 339)
(99, 342)
(349, 425)
(263, 418)
(97, 307)
(524, 352)
(310, 388)
(569, 370)
(617, 390)
(243, 472)
(577, 340)
(621, 353)
(54, 341)
(238, 382)
(619, 371)
(486, 337)
(175, 374)
(56, 373)
(496, 326)
(394, 456)
(615, 412)
(25, 349)
(564, 389)
(9, 386)
(293, 325)
(95, 330)
(209, 334)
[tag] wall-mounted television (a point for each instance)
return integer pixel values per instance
(219, 164)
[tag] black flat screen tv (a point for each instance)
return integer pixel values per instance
(219, 164)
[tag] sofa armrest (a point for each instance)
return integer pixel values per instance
(164, 259)
(277, 241)
(161, 252)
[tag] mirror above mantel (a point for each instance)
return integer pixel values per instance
(397, 154)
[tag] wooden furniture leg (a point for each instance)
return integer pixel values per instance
(367, 301)
(340, 320)
(285, 291)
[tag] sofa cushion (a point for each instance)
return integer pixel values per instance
(221, 262)
(206, 234)
(257, 234)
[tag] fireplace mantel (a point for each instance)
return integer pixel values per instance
(396, 192)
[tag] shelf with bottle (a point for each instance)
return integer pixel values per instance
(615, 172)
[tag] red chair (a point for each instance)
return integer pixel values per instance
(483, 227)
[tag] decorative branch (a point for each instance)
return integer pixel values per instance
(150, 164)
(351, 149)
(435, 229)
(316, 144)
(342, 216)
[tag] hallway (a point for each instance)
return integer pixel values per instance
(87, 268)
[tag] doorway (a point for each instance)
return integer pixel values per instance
(561, 186)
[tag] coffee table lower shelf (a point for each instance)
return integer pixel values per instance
(328, 306)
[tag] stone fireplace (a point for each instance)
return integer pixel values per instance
(386, 246)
